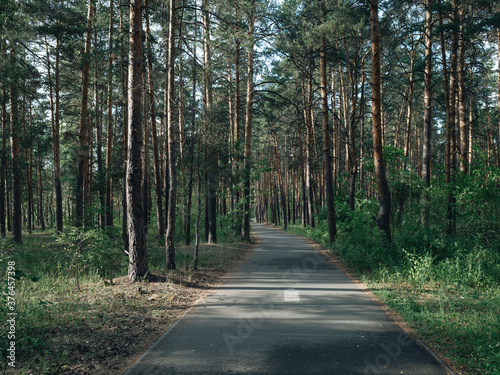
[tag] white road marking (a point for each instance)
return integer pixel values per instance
(292, 295)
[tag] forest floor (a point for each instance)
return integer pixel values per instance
(91, 325)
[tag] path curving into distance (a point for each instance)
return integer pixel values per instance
(286, 311)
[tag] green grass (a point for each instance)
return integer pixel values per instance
(72, 316)
(449, 293)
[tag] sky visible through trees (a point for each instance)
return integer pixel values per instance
(332, 114)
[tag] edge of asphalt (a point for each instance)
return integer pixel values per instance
(256, 242)
(339, 264)
(393, 315)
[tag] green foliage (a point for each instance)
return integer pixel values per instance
(93, 252)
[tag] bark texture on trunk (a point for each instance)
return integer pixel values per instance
(82, 186)
(109, 139)
(384, 214)
(427, 133)
(172, 196)
(327, 159)
(138, 263)
(248, 123)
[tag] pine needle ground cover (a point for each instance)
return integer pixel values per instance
(78, 314)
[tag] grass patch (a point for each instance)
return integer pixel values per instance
(449, 294)
(78, 313)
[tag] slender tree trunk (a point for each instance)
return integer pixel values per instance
(248, 122)
(110, 130)
(160, 220)
(83, 153)
(145, 166)
(101, 178)
(16, 159)
(237, 135)
(212, 165)
(352, 157)
(309, 147)
(198, 214)
(55, 120)
(327, 160)
(40, 193)
(138, 263)
(124, 78)
(336, 133)
(171, 213)
(427, 141)
(471, 121)
(407, 146)
(464, 133)
(451, 123)
(29, 171)
(498, 86)
(3, 163)
(56, 146)
(384, 214)
(191, 151)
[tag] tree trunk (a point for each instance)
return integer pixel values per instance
(191, 152)
(83, 152)
(384, 214)
(498, 86)
(426, 152)
(124, 81)
(464, 133)
(3, 163)
(351, 149)
(407, 146)
(138, 263)
(101, 178)
(145, 167)
(40, 193)
(212, 164)
(336, 133)
(109, 139)
(237, 130)
(172, 196)
(309, 146)
(55, 120)
(248, 122)
(327, 160)
(450, 127)
(16, 159)
(29, 172)
(160, 221)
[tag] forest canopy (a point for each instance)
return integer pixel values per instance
(338, 115)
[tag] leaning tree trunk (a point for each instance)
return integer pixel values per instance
(327, 160)
(172, 196)
(384, 214)
(138, 263)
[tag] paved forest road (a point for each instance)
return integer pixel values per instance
(287, 311)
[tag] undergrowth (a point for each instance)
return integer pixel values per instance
(447, 287)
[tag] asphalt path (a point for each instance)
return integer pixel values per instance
(287, 311)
